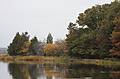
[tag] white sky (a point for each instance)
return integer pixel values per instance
(39, 17)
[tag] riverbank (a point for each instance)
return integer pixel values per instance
(34, 59)
(56, 60)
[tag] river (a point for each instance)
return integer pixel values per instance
(57, 71)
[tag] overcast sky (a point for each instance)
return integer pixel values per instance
(39, 17)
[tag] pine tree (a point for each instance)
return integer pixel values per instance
(14, 47)
(34, 46)
(49, 39)
(19, 44)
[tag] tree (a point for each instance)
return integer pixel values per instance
(34, 46)
(41, 45)
(93, 41)
(115, 51)
(51, 50)
(71, 37)
(19, 41)
(14, 47)
(25, 47)
(24, 43)
(49, 39)
(61, 47)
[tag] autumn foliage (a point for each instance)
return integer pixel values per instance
(50, 49)
(115, 51)
(57, 49)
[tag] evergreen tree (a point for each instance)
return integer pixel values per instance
(34, 46)
(18, 44)
(95, 39)
(49, 39)
(14, 47)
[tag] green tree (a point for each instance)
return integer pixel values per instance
(14, 47)
(71, 37)
(49, 39)
(19, 41)
(95, 39)
(34, 46)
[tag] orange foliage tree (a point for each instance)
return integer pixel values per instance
(50, 50)
(59, 48)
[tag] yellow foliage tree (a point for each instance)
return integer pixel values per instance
(59, 48)
(51, 50)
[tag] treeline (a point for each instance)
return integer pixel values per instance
(22, 45)
(96, 32)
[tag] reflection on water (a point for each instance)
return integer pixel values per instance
(31, 71)
(47, 71)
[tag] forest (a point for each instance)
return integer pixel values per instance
(94, 35)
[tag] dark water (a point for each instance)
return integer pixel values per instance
(48, 71)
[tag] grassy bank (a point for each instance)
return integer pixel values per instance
(34, 59)
(55, 60)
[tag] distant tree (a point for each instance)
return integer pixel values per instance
(42, 44)
(62, 47)
(24, 43)
(51, 50)
(49, 39)
(34, 46)
(16, 47)
(25, 47)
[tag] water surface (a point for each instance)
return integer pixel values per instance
(57, 71)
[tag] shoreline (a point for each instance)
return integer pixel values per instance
(33, 59)
(56, 60)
